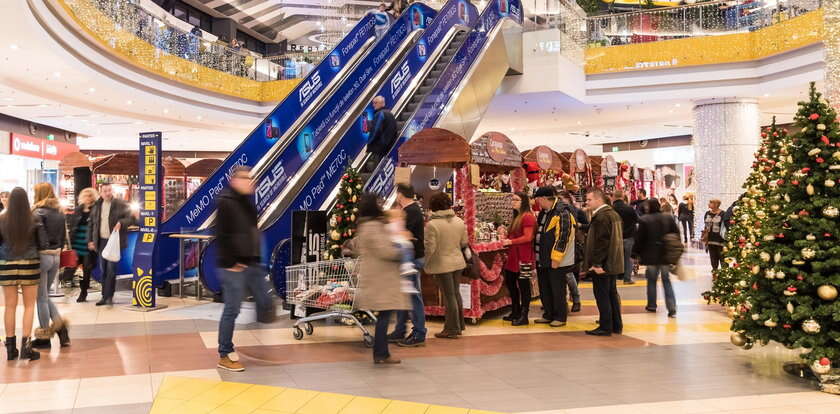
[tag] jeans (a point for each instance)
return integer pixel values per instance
(46, 309)
(552, 284)
(454, 321)
(608, 301)
(628, 260)
(109, 272)
(520, 294)
(716, 255)
(380, 338)
(652, 273)
(418, 311)
(234, 285)
(688, 230)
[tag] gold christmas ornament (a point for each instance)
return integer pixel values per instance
(809, 189)
(335, 235)
(756, 269)
(738, 339)
(820, 369)
(769, 237)
(829, 183)
(811, 326)
(770, 323)
(821, 127)
(765, 256)
(798, 262)
(827, 292)
(777, 257)
(760, 214)
(787, 198)
(810, 237)
(808, 253)
(830, 211)
(743, 283)
(755, 316)
(836, 155)
(748, 345)
(780, 275)
(790, 307)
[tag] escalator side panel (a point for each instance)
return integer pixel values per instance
(450, 84)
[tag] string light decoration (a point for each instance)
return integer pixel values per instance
(725, 139)
(831, 40)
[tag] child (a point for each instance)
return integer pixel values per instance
(402, 238)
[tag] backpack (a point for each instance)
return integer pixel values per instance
(672, 246)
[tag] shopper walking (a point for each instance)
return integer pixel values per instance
(19, 269)
(520, 254)
(77, 226)
(379, 274)
(650, 248)
(52, 237)
(604, 260)
(629, 220)
(414, 223)
(685, 213)
(109, 215)
(555, 255)
(238, 259)
(712, 233)
(445, 239)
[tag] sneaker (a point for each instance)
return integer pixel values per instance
(395, 339)
(411, 342)
(672, 314)
(226, 364)
(575, 307)
(542, 320)
(407, 269)
(557, 324)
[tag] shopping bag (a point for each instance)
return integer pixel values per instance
(68, 258)
(267, 315)
(111, 252)
(683, 272)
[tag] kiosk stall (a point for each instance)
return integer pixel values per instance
(609, 175)
(120, 170)
(198, 171)
(174, 185)
(580, 168)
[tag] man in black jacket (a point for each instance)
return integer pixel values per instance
(555, 258)
(629, 219)
(238, 255)
(108, 215)
(414, 223)
(639, 204)
(650, 249)
(604, 260)
(384, 132)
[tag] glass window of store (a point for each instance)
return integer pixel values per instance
(28, 160)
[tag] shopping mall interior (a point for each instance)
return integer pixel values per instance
(322, 206)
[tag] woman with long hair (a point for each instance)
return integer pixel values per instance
(713, 233)
(52, 237)
(444, 241)
(379, 274)
(685, 213)
(19, 268)
(520, 254)
(77, 225)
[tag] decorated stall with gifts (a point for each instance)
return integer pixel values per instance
(580, 168)
(596, 164)
(174, 185)
(609, 174)
(485, 173)
(198, 171)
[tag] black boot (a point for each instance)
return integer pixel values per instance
(575, 307)
(41, 343)
(11, 348)
(63, 336)
(522, 321)
(82, 296)
(26, 351)
(510, 318)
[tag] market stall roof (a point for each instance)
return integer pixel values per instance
(495, 149)
(579, 161)
(74, 160)
(545, 157)
(595, 164)
(203, 168)
(172, 167)
(435, 146)
(609, 167)
(124, 163)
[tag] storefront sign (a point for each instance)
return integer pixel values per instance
(495, 148)
(32, 147)
(150, 166)
(545, 157)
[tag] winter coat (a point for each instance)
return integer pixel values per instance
(648, 245)
(379, 269)
(384, 132)
(555, 240)
(629, 218)
(236, 230)
(120, 212)
(604, 242)
(52, 234)
(445, 239)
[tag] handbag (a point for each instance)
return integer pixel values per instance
(473, 269)
(68, 258)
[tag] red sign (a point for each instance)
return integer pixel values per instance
(32, 147)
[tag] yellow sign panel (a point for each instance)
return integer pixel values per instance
(148, 237)
(149, 205)
(150, 160)
(149, 221)
(149, 179)
(150, 169)
(151, 150)
(149, 195)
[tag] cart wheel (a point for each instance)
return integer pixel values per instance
(308, 328)
(473, 321)
(368, 340)
(297, 333)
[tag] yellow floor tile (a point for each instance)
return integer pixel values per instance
(403, 407)
(289, 401)
(254, 397)
(437, 409)
(326, 403)
(222, 393)
(269, 412)
(188, 389)
(165, 406)
(483, 412)
(230, 409)
(365, 405)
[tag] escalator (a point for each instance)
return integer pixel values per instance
(286, 138)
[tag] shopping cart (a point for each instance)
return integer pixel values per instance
(329, 285)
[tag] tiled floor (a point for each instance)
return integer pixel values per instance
(119, 360)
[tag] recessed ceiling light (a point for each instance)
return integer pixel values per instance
(670, 111)
(129, 102)
(56, 74)
(677, 105)
(766, 95)
(199, 117)
(43, 105)
(138, 122)
(165, 110)
(13, 46)
(579, 123)
(91, 90)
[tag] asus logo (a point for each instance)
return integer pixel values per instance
(400, 79)
(266, 185)
(309, 87)
(383, 177)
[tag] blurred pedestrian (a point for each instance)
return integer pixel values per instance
(650, 248)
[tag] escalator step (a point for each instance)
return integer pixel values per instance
(423, 90)
(435, 74)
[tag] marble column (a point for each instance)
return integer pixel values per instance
(726, 137)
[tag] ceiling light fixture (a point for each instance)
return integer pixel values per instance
(13, 46)
(56, 74)
(91, 90)
(166, 110)
(129, 102)
(199, 117)
(677, 105)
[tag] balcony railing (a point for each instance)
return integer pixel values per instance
(704, 19)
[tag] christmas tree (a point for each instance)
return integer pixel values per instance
(756, 212)
(343, 218)
(792, 297)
